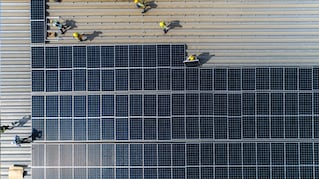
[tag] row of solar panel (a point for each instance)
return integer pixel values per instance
(167, 79)
(108, 56)
(212, 154)
(305, 172)
(178, 128)
(176, 104)
(38, 21)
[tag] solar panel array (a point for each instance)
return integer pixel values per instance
(134, 111)
(38, 21)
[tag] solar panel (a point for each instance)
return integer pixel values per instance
(136, 112)
(37, 9)
(37, 31)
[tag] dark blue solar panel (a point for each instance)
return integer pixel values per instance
(37, 106)
(178, 55)
(276, 78)
(277, 127)
(178, 154)
(135, 55)
(121, 56)
(149, 55)
(263, 127)
(221, 154)
(220, 124)
(79, 80)
(79, 173)
(66, 106)
(136, 154)
(94, 129)
(37, 55)
(206, 127)
(178, 173)
(108, 129)
(277, 153)
(207, 172)
(178, 128)
(305, 79)
(292, 172)
(164, 129)
(65, 80)
(192, 127)
(206, 79)
(65, 55)
(221, 172)
(93, 56)
(121, 105)
(235, 154)
(249, 127)
(234, 79)
(248, 79)
(278, 172)
(52, 129)
(290, 78)
(37, 9)
(206, 104)
(192, 79)
(249, 153)
(193, 172)
(121, 129)
(107, 80)
(37, 80)
(164, 78)
(192, 101)
(315, 103)
(220, 78)
(79, 106)
(263, 171)
(37, 31)
(305, 103)
(276, 102)
(207, 153)
(136, 129)
(52, 106)
(150, 155)
(262, 104)
(220, 104)
(136, 173)
(149, 105)
(163, 55)
(108, 157)
(234, 128)
(315, 76)
(306, 153)
(164, 155)
(249, 172)
(107, 105)
(107, 56)
(136, 105)
(121, 79)
(150, 79)
(291, 127)
(93, 80)
(263, 153)
(51, 57)
(235, 172)
(291, 103)
(149, 127)
(234, 105)
(136, 79)
(262, 78)
(150, 173)
(306, 172)
(94, 173)
(292, 154)
(94, 105)
(65, 126)
(305, 127)
(79, 56)
(164, 105)
(51, 80)
(248, 103)
(164, 173)
(178, 104)
(122, 159)
(178, 79)
(316, 126)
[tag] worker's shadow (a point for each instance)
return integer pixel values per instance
(174, 24)
(36, 134)
(71, 24)
(150, 5)
(204, 57)
(90, 37)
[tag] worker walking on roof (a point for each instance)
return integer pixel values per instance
(140, 4)
(164, 27)
(60, 26)
(80, 37)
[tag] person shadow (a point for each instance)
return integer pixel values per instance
(204, 57)
(92, 36)
(150, 5)
(174, 24)
(71, 24)
(21, 122)
(36, 134)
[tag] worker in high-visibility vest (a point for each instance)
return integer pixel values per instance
(140, 4)
(78, 36)
(164, 26)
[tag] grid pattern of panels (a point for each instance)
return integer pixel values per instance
(137, 112)
(37, 31)
(37, 9)
(38, 21)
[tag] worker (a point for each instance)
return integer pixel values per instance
(191, 59)
(60, 26)
(140, 4)
(164, 26)
(78, 36)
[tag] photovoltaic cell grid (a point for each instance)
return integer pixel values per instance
(38, 21)
(132, 116)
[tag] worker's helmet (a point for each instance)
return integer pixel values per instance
(75, 34)
(136, 1)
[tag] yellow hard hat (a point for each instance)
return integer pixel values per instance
(75, 34)
(162, 23)
(136, 1)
